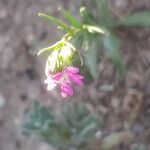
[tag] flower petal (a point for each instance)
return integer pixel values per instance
(72, 70)
(66, 88)
(48, 80)
(75, 76)
(63, 94)
(51, 84)
(77, 79)
(57, 76)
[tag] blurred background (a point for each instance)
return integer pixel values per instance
(125, 104)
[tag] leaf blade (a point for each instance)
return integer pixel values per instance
(137, 19)
(56, 21)
(71, 18)
(111, 45)
(91, 61)
(50, 48)
(104, 13)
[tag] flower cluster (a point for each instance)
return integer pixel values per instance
(65, 79)
(59, 70)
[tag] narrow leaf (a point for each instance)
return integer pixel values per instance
(86, 16)
(50, 48)
(136, 19)
(95, 29)
(105, 16)
(58, 22)
(91, 61)
(111, 44)
(71, 18)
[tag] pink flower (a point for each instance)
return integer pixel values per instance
(65, 79)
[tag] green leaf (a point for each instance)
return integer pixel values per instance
(88, 130)
(78, 39)
(91, 60)
(86, 16)
(111, 45)
(95, 29)
(73, 128)
(58, 22)
(105, 17)
(71, 18)
(37, 118)
(136, 19)
(56, 46)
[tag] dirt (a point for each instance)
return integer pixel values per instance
(22, 33)
(21, 78)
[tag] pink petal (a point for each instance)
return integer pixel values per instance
(75, 76)
(51, 84)
(57, 76)
(72, 70)
(66, 88)
(48, 80)
(63, 94)
(77, 79)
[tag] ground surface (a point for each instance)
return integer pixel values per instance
(21, 72)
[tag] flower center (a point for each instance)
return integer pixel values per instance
(64, 79)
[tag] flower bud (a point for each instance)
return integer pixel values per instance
(51, 63)
(61, 58)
